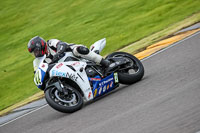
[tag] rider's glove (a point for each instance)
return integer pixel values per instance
(63, 47)
(57, 56)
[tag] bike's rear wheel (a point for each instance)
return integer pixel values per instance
(132, 72)
(66, 102)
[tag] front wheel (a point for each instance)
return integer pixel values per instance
(132, 71)
(68, 101)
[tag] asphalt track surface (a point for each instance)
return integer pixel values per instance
(167, 100)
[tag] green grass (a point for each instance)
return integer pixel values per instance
(122, 22)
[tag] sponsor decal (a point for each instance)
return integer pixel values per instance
(107, 86)
(57, 73)
(95, 79)
(59, 65)
(104, 88)
(100, 89)
(116, 78)
(75, 64)
(89, 95)
(95, 92)
(101, 86)
(105, 82)
(110, 79)
(63, 74)
(43, 66)
(111, 84)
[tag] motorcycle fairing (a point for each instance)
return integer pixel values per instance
(71, 70)
(102, 86)
(98, 46)
(40, 74)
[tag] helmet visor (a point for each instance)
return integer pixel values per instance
(37, 52)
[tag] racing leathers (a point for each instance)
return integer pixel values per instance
(56, 49)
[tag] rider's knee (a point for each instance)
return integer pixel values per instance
(82, 50)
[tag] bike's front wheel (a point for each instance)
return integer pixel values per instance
(68, 101)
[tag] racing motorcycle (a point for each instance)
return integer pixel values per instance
(73, 81)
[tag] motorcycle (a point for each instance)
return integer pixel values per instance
(73, 81)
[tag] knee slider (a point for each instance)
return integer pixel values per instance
(83, 50)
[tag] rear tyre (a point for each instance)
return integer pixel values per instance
(134, 71)
(66, 103)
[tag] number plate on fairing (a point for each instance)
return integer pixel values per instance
(39, 77)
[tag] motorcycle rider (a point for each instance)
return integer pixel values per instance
(54, 49)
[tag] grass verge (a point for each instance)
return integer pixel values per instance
(170, 30)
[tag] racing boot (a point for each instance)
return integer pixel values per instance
(105, 63)
(108, 66)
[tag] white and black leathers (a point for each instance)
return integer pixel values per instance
(56, 48)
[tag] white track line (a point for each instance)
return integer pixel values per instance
(141, 60)
(23, 115)
(168, 47)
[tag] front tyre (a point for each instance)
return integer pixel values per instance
(131, 72)
(67, 102)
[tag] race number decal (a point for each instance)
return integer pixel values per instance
(116, 77)
(37, 77)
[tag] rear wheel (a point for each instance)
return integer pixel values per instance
(132, 71)
(68, 101)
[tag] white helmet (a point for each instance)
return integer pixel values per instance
(52, 46)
